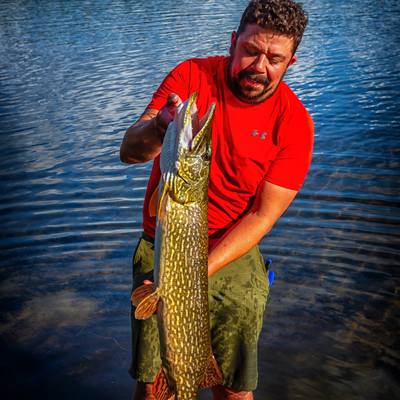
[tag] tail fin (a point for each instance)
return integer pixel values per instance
(161, 388)
(212, 376)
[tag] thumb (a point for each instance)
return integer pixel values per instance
(173, 101)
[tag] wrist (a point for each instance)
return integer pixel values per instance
(213, 264)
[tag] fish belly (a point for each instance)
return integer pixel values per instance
(183, 311)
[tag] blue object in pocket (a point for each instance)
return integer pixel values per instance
(271, 274)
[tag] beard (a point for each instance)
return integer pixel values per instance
(249, 86)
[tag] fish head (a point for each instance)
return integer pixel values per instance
(186, 153)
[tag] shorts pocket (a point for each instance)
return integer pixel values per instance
(143, 263)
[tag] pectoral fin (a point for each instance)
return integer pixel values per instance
(153, 202)
(163, 198)
(142, 292)
(146, 300)
(161, 388)
(212, 376)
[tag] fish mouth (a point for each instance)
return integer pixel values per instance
(185, 154)
(194, 130)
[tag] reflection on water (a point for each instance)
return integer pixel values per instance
(74, 76)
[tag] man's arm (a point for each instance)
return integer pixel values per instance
(142, 141)
(269, 204)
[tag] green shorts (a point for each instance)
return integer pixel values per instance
(237, 296)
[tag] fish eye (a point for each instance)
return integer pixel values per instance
(206, 157)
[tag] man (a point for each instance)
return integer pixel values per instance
(262, 145)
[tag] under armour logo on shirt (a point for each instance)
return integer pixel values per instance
(255, 133)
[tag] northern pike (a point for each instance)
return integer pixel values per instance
(179, 295)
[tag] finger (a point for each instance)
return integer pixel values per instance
(173, 100)
(167, 113)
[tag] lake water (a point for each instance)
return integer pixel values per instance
(73, 76)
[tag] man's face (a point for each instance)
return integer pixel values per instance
(259, 60)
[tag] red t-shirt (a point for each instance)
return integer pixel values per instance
(272, 140)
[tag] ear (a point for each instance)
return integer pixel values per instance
(233, 42)
(292, 60)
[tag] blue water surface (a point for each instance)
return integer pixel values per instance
(73, 76)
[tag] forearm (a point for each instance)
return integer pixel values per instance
(238, 241)
(142, 141)
(270, 203)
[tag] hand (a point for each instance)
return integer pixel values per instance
(166, 114)
(143, 140)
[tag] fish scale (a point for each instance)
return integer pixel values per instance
(186, 317)
(181, 260)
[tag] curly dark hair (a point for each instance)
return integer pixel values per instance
(281, 16)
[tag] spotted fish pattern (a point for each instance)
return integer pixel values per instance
(180, 293)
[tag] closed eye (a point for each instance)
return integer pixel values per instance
(250, 50)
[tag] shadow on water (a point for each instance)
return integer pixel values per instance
(74, 76)
(29, 376)
(23, 381)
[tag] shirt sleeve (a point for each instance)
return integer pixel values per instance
(290, 167)
(177, 81)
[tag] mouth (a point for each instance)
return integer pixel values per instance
(190, 124)
(191, 133)
(249, 78)
(197, 131)
(251, 82)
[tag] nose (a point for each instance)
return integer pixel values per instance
(259, 64)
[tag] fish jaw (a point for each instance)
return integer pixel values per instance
(186, 153)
